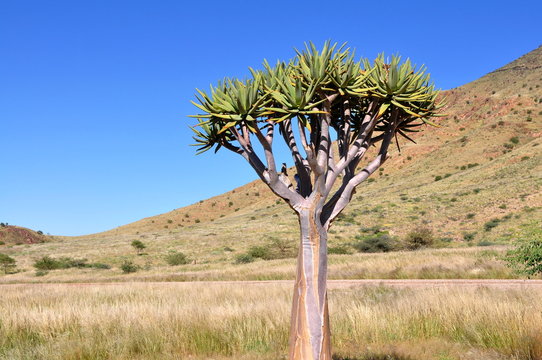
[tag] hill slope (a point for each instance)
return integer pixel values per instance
(475, 179)
(486, 150)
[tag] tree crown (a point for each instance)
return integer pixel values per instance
(318, 90)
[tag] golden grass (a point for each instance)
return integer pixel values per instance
(459, 263)
(217, 321)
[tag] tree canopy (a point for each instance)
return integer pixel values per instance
(317, 91)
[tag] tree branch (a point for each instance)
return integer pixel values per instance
(301, 164)
(343, 196)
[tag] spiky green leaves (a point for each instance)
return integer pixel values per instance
(299, 88)
(403, 86)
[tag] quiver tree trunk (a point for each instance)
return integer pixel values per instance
(310, 337)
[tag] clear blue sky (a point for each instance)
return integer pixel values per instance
(94, 94)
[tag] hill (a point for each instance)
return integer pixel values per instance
(475, 180)
(486, 152)
(16, 235)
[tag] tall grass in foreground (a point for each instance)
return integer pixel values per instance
(202, 321)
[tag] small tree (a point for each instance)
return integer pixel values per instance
(330, 110)
(138, 246)
(7, 263)
(527, 256)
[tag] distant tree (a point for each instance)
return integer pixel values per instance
(329, 110)
(7, 263)
(139, 246)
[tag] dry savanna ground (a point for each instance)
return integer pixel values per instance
(225, 321)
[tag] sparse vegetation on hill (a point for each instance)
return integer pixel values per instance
(483, 184)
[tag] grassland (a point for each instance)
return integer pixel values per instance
(191, 321)
(460, 263)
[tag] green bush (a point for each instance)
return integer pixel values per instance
(177, 258)
(7, 263)
(469, 236)
(491, 224)
(139, 246)
(128, 267)
(338, 250)
(49, 263)
(380, 242)
(485, 243)
(243, 259)
(100, 266)
(260, 252)
(41, 272)
(514, 140)
(438, 178)
(526, 258)
(418, 238)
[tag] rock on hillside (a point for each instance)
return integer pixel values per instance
(18, 235)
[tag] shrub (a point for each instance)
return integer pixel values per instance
(41, 272)
(39, 232)
(527, 256)
(7, 263)
(514, 140)
(338, 250)
(485, 243)
(100, 266)
(469, 236)
(380, 242)
(491, 224)
(138, 246)
(177, 258)
(438, 178)
(243, 259)
(129, 267)
(260, 252)
(2, 243)
(471, 215)
(46, 263)
(282, 248)
(418, 238)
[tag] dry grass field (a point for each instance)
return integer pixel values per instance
(459, 263)
(214, 321)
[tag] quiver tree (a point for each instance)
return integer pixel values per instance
(329, 109)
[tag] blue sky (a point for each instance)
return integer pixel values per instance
(94, 94)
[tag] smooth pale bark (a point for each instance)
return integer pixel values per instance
(310, 336)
